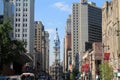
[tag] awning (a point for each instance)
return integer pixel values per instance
(24, 58)
(106, 56)
(85, 67)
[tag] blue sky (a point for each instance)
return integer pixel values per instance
(53, 14)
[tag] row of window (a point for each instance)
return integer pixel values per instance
(18, 30)
(18, 19)
(18, 15)
(18, 35)
(24, 9)
(20, 0)
(24, 4)
(18, 25)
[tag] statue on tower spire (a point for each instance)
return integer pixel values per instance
(56, 39)
(56, 29)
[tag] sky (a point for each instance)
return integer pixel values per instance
(53, 14)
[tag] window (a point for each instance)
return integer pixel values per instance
(18, 35)
(15, 35)
(18, 25)
(15, 25)
(15, 30)
(25, 35)
(18, 30)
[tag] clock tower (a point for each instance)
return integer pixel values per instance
(56, 48)
(56, 51)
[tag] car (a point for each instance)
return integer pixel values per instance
(4, 78)
(42, 78)
(14, 77)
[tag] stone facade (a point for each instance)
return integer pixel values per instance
(111, 32)
(41, 43)
(93, 59)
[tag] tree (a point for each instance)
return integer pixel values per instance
(106, 71)
(10, 49)
(74, 74)
(5, 28)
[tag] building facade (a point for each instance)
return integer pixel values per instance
(24, 22)
(7, 11)
(74, 31)
(41, 43)
(91, 61)
(86, 27)
(52, 72)
(47, 52)
(111, 33)
(67, 45)
(1, 11)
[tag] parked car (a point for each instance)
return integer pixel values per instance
(4, 78)
(15, 77)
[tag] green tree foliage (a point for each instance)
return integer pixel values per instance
(106, 71)
(10, 49)
(74, 74)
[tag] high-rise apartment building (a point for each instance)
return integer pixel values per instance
(7, 10)
(42, 46)
(47, 51)
(67, 45)
(39, 42)
(86, 27)
(24, 22)
(74, 31)
(2, 7)
(1, 11)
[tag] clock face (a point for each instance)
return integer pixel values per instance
(57, 44)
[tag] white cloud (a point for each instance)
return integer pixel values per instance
(62, 6)
(50, 30)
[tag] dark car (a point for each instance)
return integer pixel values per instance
(4, 78)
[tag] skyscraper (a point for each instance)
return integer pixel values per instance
(7, 10)
(1, 11)
(74, 31)
(67, 45)
(1, 7)
(24, 22)
(86, 27)
(47, 51)
(42, 46)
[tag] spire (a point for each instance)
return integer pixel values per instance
(56, 29)
(56, 35)
(56, 38)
